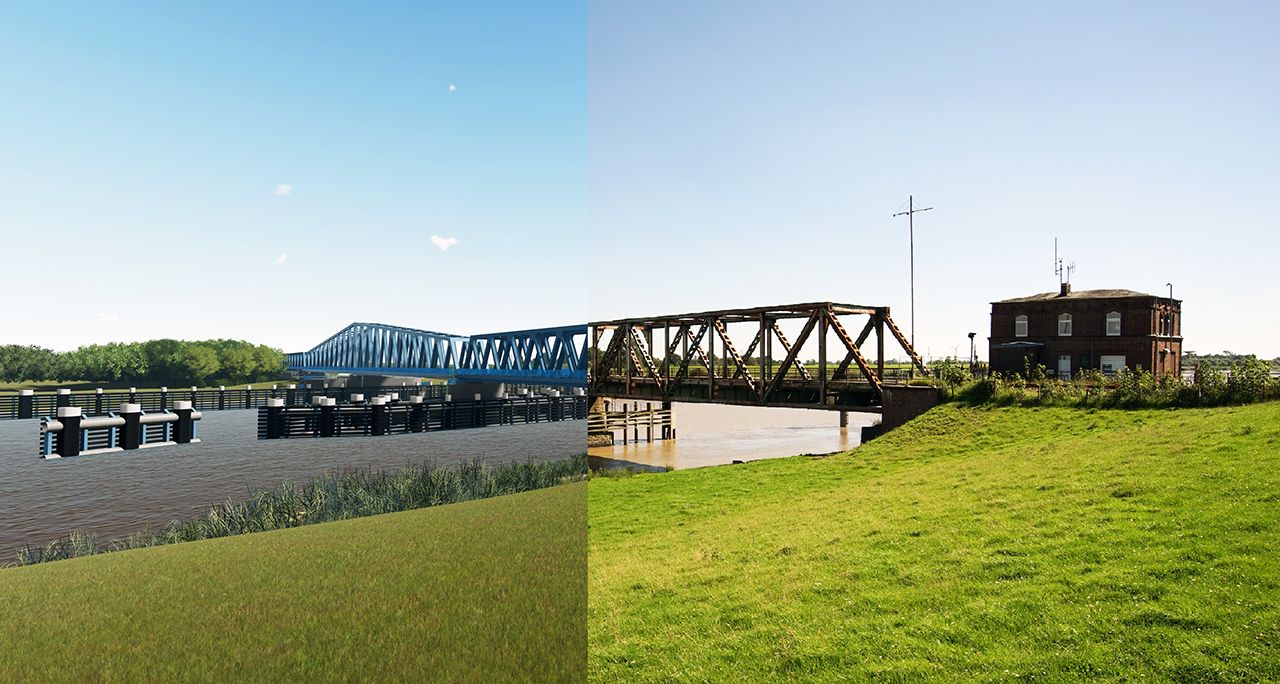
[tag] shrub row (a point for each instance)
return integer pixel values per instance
(1244, 383)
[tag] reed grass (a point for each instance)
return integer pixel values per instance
(336, 496)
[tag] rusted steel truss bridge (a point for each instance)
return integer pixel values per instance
(692, 357)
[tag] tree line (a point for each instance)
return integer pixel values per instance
(1226, 359)
(159, 362)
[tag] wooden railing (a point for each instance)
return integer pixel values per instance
(657, 422)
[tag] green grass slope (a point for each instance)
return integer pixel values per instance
(481, 591)
(1053, 545)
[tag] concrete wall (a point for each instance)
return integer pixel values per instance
(901, 404)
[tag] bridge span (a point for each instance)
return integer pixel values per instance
(545, 356)
(685, 363)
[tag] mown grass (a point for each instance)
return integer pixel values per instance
(973, 544)
(482, 591)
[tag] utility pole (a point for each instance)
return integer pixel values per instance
(911, 226)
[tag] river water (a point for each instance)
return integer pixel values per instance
(713, 434)
(115, 494)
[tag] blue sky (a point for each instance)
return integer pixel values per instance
(752, 153)
(273, 172)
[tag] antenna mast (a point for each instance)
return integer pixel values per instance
(911, 226)
(1059, 269)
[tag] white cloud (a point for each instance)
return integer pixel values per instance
(283, 189)
(443, 243)
(280, 260)
(108, 319)
(452, 88)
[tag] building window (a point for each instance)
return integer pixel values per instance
(1064, 325)
(1020, 326)
(1113, 324)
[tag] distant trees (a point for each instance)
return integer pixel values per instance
(161, 355)
(270, 361)
(156, 362)
(1226, 359)
(239, 363)
(109, 362)
(198, 361)
(27, 363)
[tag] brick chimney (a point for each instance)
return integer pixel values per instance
(1066, 290)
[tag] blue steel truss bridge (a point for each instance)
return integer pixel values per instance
(546, 356)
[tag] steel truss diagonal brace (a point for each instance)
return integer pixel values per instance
(681, 332)
(804, 372)
(852, 348)
(638, 343)
(697, 345)
(848, 358)
(737, 360)
(792, 352)
(755, 341)
(605, 363)
(906, 346)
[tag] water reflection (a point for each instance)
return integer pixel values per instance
(712, 434)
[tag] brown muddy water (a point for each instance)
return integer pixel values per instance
(712, 434)
(115, 494)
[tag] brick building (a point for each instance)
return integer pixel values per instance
(1069, 331)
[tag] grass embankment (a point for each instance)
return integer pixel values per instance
(997, 544)
(482, 591)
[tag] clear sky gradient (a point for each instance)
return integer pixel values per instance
(273, 172)
(745, 154)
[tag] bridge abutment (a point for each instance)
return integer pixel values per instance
(901, 404)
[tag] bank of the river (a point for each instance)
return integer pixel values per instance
(973, 544)
(482, 591)
(115, 494)
(714, 434)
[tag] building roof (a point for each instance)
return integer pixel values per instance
(1082, 294)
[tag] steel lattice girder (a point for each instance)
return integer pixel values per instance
(541, 349)
(627, 366)
(544, 355)
(374, 346)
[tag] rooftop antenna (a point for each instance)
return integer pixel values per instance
(1059, 269)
